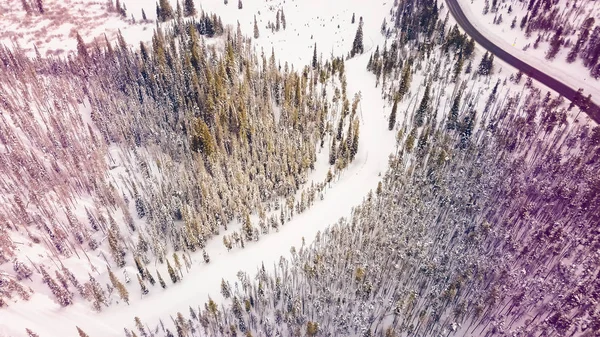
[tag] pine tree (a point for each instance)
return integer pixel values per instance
(420, 113)
(172, 273)
(160, 280)
(81, 333)
(453, 117)
(283, 22)
(144, 17)
(333, 152)
(357, 45)
(98, 295)
(555, 44)
(392, 120)
(353, 18)
(225, 289)
(142, 285)
(81, 48)
(584, 33)
(63, 296)
(26, 7)
(256, 33)
(404, 82)
(314, 59)
(165, 11)
(149, 277)
(189, 8)
(123, 293)
(31, 333)
(278, 21)
(40, 6)
(240, 5)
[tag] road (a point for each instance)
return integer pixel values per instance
(591, 109)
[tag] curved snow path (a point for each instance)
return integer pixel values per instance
(308, 22)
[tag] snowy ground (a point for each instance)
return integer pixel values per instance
(514, 40)
(308, 22)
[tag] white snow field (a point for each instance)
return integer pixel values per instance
(514, 40)
(326, 23)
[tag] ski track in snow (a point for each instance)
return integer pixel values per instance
(308, 22)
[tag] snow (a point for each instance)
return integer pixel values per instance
(308, 22)
(514, 40)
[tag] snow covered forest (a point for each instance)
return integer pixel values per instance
(125, 169)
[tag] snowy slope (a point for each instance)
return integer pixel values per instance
(308, 22)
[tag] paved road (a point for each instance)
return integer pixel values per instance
(591, 109)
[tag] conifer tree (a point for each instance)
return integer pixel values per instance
(144, 17)
(160, 280)
(256, 33)
(357, 45)
(314, 59)
(31, 333)
(189, 8)
(555, 44)
(283, 21)
(123, 293)
(225, 289)
(142, 285)
(404, 81)
(392, 120)
(81, 333)
(353, 18)
(40, 6)
(64, 297)
(240, 5)
(172, 274)
(453, 117)
(165, 11)
(26, 7)
(149, 277)
(98, 295)
(81, 48)
(420, 113)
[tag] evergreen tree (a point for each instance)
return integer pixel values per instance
(420, 113)
(40, 6)
(149, 277)
(164, 11)
(172, 274)
(357, 45)
(314, 59)
(256, 33)
(392, 119)
(64, 297)
(31, 333)
(555, 44)
(189, 8)
(142, 285)
(26, 7)
(453, 117)
(81, 48)
(353, 18)
(98, 295)
(225, 289)
(81, 333)
(144, 17)
(404, 81)
(584, 33)
(283, 22)
(160, 280)
(240, 5)
(123, 293)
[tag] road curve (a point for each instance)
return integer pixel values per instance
(591, 109)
